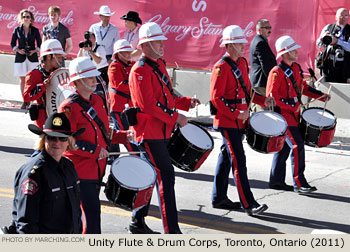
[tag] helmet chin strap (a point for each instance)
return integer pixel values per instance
(60, 64)
(154, 50)
(124, 58)
(89, 88)
(293, 57)
(240, 52)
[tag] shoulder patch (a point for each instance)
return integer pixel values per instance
(29, 187)
(113, 69)
(67, 110)
(141, 63)
(274, 75)
(218, 71)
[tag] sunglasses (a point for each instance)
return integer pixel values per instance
(267, 27)
(29, 17)
(54, 139)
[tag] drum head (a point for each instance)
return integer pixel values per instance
(197, 136)
(133, 172)
(268, 123)
(58, 90)
(317, 117)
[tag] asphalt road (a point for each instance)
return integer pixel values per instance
(327, 168)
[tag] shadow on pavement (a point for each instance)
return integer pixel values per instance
(309, 223)
(16, 150)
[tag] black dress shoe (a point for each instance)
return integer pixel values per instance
(140, 227)
(281, 186)
(174, 232)
(227, 204)
(302, 189)
(256, 209)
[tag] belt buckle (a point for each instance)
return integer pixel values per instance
(244, 101)
(238, 73)
(288, 72)
(165, 79)
(91, 113)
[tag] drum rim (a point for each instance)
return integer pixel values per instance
(129, 187)
(191, 144)
(56, 71)
(279, 115)
(316, 126)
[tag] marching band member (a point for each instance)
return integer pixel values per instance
(230, 89)
(51, 54)
(119, 93)
(286, 84)
(152, 95)
(86, 109)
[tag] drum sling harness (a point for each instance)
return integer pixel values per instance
(92, 113)
(163, 80)
(289, 73)
(238, 74)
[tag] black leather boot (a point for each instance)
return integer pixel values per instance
(138, 226)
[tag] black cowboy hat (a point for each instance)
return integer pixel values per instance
(57, 125)
(132, 16)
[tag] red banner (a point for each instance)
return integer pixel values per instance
(193, 27)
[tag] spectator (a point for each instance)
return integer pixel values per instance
(335, 57)
(96, 52)
(262, 59)
(106, 33)
(56, 30)
(132, 33)
(26, 52)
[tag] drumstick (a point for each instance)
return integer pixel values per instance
(126, 152)
(272, 107)
(251, 100)
(325, 104)
(313, 101)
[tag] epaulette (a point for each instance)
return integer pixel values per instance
(37, 164)
(141, 63)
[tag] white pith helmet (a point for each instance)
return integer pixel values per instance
(51, 46)
(233, 34)
(150, 32)
(285, 44)
(122, 45)
(82, 67)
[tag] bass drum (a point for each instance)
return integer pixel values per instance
(317, 126)
(266, 132)
(130, 183)
(58, 89)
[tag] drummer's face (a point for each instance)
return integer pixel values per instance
(90, 82)
(59, 58)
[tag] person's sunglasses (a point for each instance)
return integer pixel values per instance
(29, 17)
(54, 139)
(267, 27)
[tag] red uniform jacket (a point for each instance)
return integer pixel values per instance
(157, 120)
(226, 93)
(35, 90)
(281, 88)
(85, 159)
(118, 75)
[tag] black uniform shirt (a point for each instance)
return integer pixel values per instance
(47, 197)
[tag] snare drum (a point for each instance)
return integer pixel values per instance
(266, 132)
(130, 182)
(58, 89)
(317, 127)
(190, 146)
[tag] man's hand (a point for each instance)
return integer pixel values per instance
(181, 120)
(244, 115)
(194, 102)
(269, 101)
(130, 135)
(103, 153)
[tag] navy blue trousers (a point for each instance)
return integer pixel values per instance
(232, 156)
(294, 146)
(91, 214)
(157, 154)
